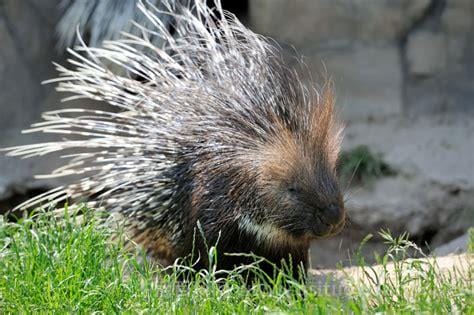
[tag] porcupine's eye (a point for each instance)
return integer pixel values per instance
(293, 190)
(294, 195)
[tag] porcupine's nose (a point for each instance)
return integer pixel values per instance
(333, 214)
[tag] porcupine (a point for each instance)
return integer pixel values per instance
(212, 130)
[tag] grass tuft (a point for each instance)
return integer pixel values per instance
(361, 166)
(406, 285)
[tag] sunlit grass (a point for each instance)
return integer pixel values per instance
(61, 265)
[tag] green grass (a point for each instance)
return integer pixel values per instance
(362, 166)
(55, 266)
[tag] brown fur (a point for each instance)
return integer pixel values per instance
(290, 154)
(157, 245)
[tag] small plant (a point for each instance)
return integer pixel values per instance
(413, 285)
(361, 166)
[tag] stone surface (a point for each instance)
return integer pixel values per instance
(414, 205)
(433, 41)
(457, 17)
(303, 22)
(438, 148)
(15, 79)
(425, 53)
(26, 55)
(456, 246)
(368, 79)
(434, 159)
(440, 58)
(344, 249)
(26, 60)
(431, 197)
(348, 280)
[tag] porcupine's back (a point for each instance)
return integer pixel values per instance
(209, 128)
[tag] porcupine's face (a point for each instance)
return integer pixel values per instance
(310, 204)
(298, 177)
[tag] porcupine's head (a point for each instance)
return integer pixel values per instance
(293, 173)
(297, 172)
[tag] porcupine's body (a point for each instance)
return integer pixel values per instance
(212, 130)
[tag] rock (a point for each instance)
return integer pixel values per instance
(426, 54)
(345, 249)
(440, 60)
(15, 79)
(434, 189)
(303, 22)
(424, 95)
(431, 197)
(347, 281)
(457, 16)
(433, 39)
(456, 246)
(412, 204)
(437, 148)
(33, 35)
(46, 9)
(364, 91)
(26, 60)
(26, 55)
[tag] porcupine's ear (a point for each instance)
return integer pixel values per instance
(324, 127)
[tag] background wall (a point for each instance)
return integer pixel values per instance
(388, 57)
(27, 40)
(404, 77)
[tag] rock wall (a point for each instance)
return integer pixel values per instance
(403, 57)
(26, 53)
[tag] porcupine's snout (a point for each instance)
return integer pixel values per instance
(329, 220)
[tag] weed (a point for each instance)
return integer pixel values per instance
(361, 166)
